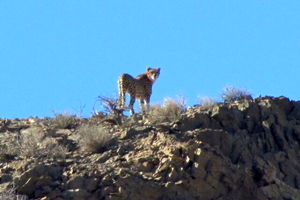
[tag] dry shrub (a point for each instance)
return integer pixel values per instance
(171, 110)
(110, 108)
(110, 105)
(64, 121)
(95, 139)
(232, 94)
(207, 101)
(28, 144)
(33, 143)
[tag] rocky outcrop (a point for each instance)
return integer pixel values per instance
(243, 150)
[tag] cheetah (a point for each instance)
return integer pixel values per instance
(139, 87)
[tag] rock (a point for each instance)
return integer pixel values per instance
(76, 194)
(91, 184)
(37, 177)
(191, 121)
(76, 182)
(54, 194)
(4, 178)
(240, 150)
(33, 131)
(295, 112)
(63, 132)
(127, 134)
(16, 125)
(134, 131)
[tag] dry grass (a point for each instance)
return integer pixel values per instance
(207, 101)
(171, 110)
(232, 94)
(95, 139)
(33, 143)
(64, 121)
(27, 145)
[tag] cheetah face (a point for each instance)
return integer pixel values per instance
(153, 74)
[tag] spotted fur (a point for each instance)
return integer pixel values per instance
(138, 88)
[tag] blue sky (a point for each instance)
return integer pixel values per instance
(58, 56)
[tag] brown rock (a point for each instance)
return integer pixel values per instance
(76, 194)
(241, 150)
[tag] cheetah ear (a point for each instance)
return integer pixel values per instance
(149, 68)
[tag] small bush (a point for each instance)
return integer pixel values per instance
(207, 101)
(33, 143)
(27, 143)
(171, 110)
(110, 107)
(64, 121)
(94, 139)
(232, 94)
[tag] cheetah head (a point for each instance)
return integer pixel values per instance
(153, 73)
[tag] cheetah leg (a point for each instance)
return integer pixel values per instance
(121, 99)
(132, 100)
(148, 104)
(142, 106)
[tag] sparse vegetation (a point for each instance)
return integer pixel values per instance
(95, 139)
(207, 101)
(171, 110)
(33, 143)
(110, 107)
(27, 144)
(64, 121)
(232, 94)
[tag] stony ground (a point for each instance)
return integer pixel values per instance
(241, 150)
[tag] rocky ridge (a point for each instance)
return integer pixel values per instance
(246, 149)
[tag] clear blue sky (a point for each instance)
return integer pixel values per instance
(59, 55)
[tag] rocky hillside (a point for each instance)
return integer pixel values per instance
(246, 149)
